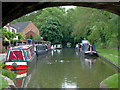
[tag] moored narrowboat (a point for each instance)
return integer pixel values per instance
(89, 50)
(78, 46)
(58, 46)
(40, 49)
(19, 57)
(48, 47)
(84, 42)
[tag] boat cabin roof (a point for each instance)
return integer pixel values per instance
(85, 41)
(21, 47)
(87, 47)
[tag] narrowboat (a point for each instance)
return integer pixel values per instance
(68, 44)
(19, 57)
(58, 46)
(76, 46)
(85, 42)
(52, 47)
(89, 50)
(40, 49)
(48, 47)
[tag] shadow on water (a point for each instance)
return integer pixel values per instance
(67, 68)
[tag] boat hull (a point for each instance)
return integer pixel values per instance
(19, 65)
(91, 54)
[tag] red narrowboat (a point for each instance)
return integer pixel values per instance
(19, 57)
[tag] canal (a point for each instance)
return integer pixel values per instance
(66, 68)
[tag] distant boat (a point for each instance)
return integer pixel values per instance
(58, 46)
(19, 57)
(68, 44)
(89, 50)
(40, 49)
(78, 46)
(52, 47)
(84, 42)
(48, 47)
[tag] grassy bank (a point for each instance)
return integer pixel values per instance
(110, 54)
(7, 73)
(3, 83)
(112, 81)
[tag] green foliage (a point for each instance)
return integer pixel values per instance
(4, 49)
(37, 37)
(31, 37)
(4, 83)
(40, 17)
(8, 35)
(28, 37)
(50, 31)
(9, 74)
(104, 28)
(19, 36)
(98, 26)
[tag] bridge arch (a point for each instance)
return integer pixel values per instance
(14, 10)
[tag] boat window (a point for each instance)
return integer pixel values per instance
(16, 55)
(58, 45)
(89, 48)
(92, 48)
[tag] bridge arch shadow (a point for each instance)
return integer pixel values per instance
(14, 10)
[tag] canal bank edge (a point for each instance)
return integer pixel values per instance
(110, 62)
(3, 57)
(102, 84)
(10, 82)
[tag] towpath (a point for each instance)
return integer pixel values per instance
(2, 57)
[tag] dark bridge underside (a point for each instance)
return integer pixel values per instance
(13, 10)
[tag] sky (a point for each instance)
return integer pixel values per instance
(68, 7)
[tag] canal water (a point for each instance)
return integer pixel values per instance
(67, 68)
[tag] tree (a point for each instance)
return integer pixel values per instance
(19, 36)
(8, 35)
(103, 28)
(98, 26)
(37, 37)
(31, 36)
(50, 31)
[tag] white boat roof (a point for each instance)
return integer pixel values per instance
(22, 47)
(85, 41)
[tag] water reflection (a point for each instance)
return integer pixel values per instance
(90, 61)
(57, 51)
(22, 79)
(86, 61)
(68, 69)
(23, 76)
(69, 85)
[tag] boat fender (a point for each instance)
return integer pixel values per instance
(14, 65)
